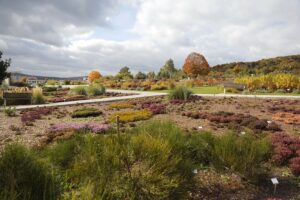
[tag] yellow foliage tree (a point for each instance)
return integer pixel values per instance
(94, 75)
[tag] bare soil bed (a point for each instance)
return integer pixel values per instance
(13, 130)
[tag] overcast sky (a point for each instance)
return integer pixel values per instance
(72, 37)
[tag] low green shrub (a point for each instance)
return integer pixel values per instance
(63, 153)
(95, 90)
(22, 176)
(180, 93)
(142, 165)
(86, 112)
(80, 90)
(37, 96)
(131, 116)
(242, 154)
(10, 111)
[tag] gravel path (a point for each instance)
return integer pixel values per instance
(142, 94)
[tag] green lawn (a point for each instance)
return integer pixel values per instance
(200, 90)
(218, 90)
(208, 90)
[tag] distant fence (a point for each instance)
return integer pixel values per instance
(10, 98)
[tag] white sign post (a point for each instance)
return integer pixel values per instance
(275, 183)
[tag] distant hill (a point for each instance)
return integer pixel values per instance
(284, 64)
(18, 75)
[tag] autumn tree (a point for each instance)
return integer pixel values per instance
(24, 79)
(4, 64)
(94, 75)
(196, 65)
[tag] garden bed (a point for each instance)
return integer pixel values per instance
(260, 118)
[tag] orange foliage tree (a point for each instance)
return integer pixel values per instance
(94, 75)
(196, 65)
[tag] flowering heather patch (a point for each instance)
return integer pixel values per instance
(295, 165)
(30, 116)
(192, 99)
(157, 108)
(288, 118)
(241, 119)
(286, 149)
(91, 126)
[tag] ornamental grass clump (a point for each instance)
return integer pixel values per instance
(86, 112)
(242, 154)
(180, 93)
(131, 116)
(95, 90)
(24, 176)
(92, 90)
(80, 90)
(143, 164)
(37, 96)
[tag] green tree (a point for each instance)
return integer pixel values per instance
(124, 73)
(168, 70)
(4, 64)
(140, 75)
(151, 75)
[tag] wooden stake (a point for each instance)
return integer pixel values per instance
(118, 124)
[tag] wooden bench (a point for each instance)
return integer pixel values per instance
(11, 98)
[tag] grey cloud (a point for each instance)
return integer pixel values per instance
(45, 21)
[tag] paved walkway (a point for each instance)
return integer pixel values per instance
(141, 94)
(135, 94)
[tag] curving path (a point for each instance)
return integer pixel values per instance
(141, 94)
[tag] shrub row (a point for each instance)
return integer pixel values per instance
(92, 90)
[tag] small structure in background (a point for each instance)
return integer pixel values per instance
(236, 86)
(33, 81)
